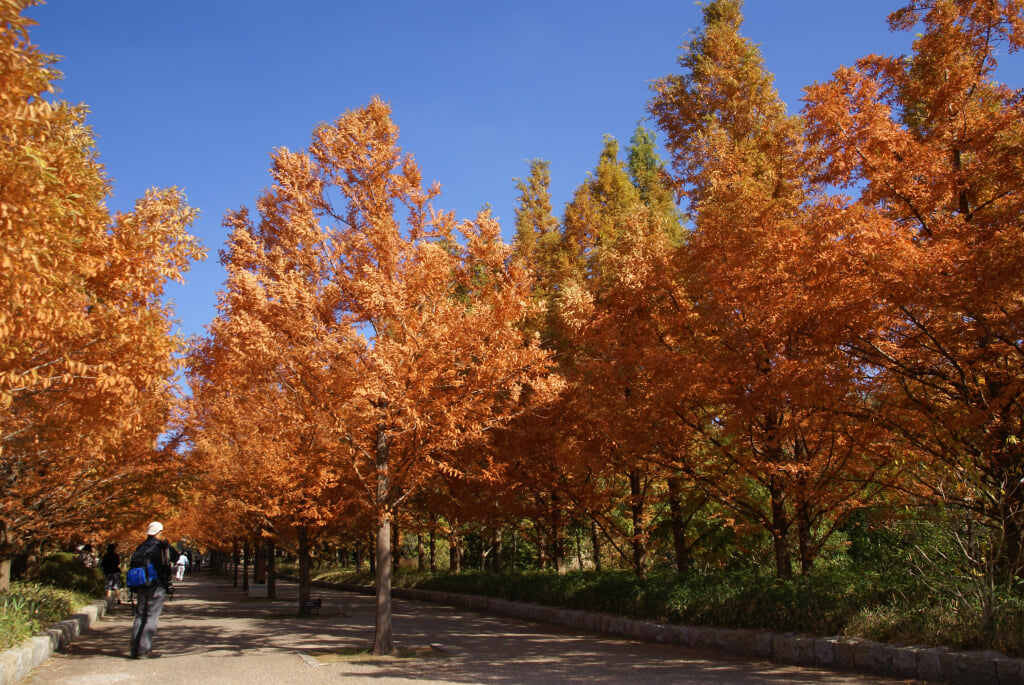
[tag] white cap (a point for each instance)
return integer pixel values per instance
(154, 528)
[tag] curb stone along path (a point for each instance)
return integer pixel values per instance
(934, 664)
(17, 662)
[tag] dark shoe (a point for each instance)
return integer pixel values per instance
(148, 655)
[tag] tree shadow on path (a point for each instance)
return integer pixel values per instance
(213, 628)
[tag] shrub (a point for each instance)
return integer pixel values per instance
(874, 583)
(62, 570)
(27, 608)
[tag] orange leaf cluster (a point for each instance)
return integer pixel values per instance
(86, 349)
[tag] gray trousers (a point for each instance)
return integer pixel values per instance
(149, 604)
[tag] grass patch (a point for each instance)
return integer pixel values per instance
(28, 608)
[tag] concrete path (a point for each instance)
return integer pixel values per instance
(213, 633)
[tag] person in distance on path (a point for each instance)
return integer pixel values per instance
(111, 565)
(157, 551)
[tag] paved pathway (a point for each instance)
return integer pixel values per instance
(212, 633)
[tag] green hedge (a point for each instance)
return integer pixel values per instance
(835, 598)
(63, 570)
(832, 600)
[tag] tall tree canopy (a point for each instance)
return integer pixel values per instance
(766, 381)
(932, 143)
(86, 349)
(395, 329)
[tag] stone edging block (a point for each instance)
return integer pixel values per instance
(17, 662)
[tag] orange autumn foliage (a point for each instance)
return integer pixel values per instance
(762, 377)
(390, 327)
(86, 349)
(931, 144)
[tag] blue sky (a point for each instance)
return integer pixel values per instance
(196, 94)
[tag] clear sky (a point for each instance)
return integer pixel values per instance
(197, 93)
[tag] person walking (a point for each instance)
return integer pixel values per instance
(180, 566)
(111, 565)
(86, 557)
(157, 551)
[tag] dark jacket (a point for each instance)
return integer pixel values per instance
(111, 563)
(160, 554)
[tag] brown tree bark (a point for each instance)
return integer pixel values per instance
(383, 643)
(678, 525)
(271, 570)
(639, 531)
(304, 580)
(780, 530)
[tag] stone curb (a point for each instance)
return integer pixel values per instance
(17, 662)
(933, 664)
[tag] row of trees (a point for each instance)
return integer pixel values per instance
(86, 350)
(832, 322)
(364, 338)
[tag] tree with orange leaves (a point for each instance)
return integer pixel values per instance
(606, 220)
(253, 450)
(86, 350)
(932, 144)
(596, 458)
(762, 379)
(395, 327)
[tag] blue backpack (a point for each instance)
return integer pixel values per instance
(141, 572)
(142, 576)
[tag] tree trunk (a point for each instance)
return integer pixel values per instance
(260, 571)
(515, 551)
(271, 571)
(595, 542)
(678, 525)
(1010, 513)
(1012, 538)
(579, 548)
(780, 530)
(433, 551)
(557, 543)
(639, 531)
(421, 553)
(498, 560)
(804, 542)
(235, 559)
(541, 538)
(396, 546)
(455, 554)
(6, 552)
(304, 582)
(383, 644)
(245, 566)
